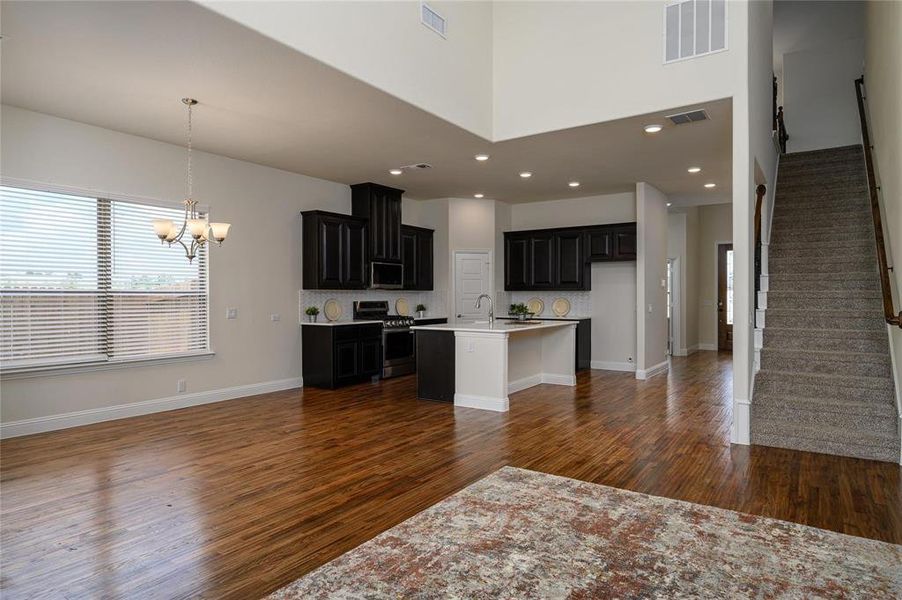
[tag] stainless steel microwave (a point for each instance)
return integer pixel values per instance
(386, 276)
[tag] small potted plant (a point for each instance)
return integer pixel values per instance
(421, 310)
(311, 312)
(520, 311)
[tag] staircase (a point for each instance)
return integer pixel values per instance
(825, 382)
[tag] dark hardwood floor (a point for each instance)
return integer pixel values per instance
(235, 499)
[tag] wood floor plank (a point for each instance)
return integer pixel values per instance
(235, 499)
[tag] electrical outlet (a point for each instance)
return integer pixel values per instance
(275, 317)
(232, 313)
(650, 308)
(181, 386)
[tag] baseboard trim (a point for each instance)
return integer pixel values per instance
(524, 383)
(661, 367)
(551, 378)
(712, 347)
(740, 432)
(686, 351)
(608, 365)
(145, 407)
(481, 402)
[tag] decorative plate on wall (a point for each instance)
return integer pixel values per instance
(560, 307)
(402, 307)
(535, 306)
(332, 309)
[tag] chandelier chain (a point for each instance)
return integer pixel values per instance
(189, 175)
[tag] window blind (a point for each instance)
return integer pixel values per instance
(85, 280)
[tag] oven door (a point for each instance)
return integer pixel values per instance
(398, 346)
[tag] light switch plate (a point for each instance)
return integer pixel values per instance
(232, 313)
(275, 317)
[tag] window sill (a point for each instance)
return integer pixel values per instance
(70, 369)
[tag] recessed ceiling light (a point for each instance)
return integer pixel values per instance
(395, 171)
(669, 203)
(481, 157)
(710, 185)
(525, 174)
(573, 184)
(478, 195)
(694, 169)
(653, 128)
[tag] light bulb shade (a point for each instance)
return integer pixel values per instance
(197, 227)
(163, 227)
(220, 231)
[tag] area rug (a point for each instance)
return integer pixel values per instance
(521, 534)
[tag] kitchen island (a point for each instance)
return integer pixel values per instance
(477, 365)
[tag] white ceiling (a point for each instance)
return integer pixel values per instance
(125, 65)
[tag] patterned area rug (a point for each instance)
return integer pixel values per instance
(521, 534)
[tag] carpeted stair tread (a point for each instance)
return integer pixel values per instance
(869, 364)
(824, 405)
(847, 445)
(828, 319)
(856, 299)
(858, 232)
(798, 247)
(825, 381)
(838, 340)
(826, 264)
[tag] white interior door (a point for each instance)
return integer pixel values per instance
(471, 278)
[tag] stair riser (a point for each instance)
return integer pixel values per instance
(793, 203)
(778, 403)
(825, 447)
(865, 424)
(820, 234)
(799, 384)
(788, 284)
(841, 182)
(830, 264)
(805, 364)
(860, 248)
(864, 304)
(802, 341)
(816, 319)
(831, 224)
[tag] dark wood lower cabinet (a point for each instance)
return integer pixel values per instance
(336, 355)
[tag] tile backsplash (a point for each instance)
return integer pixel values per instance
(580, 302)
(434, 301)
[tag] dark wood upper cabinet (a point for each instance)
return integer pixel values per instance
(334, 251)
(624, 242)
(559, 259)
(542, 263)
(381, 206)
(417, 257)
(570, 262)
(516, 261)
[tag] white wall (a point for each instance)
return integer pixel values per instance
(754, 162)
(564, 64)
(651, 272)
(819, 102)
(257, 270)
(883, 80)
(385, 45)
(590, 210)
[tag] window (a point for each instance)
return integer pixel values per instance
(694, 28)
(84, 280)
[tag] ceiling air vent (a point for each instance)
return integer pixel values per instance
(433, 20)
(689, 117)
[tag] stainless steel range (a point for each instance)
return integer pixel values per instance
(398, 347)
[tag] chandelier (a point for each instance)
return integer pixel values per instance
(197, 228)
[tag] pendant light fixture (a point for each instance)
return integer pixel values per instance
(197, 228)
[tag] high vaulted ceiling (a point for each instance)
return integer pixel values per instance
(126, 65)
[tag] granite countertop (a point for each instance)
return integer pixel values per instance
(499, 326)
(340, 323)
(548, 317)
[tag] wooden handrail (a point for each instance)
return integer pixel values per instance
(782, 135)
(892, 317)
(759, 191)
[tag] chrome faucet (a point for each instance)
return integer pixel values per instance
(491, 307)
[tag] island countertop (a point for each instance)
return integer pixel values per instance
(503, 326)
